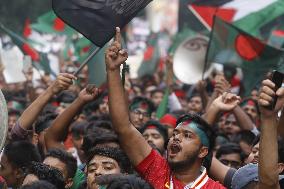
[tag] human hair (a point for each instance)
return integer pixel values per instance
(79, 128)
(281, 150)
(66, 97)
(41, 184)
(139, 99)
(93, 139)
(126, 182)
(230, 148)
(115, 153)
(45, 172)
(21, 153)
(44, 121)
(203, 125)
(66, 158)
(159, 127)
(156, 91)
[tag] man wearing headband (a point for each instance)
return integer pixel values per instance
(191, 143)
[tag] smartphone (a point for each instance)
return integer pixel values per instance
(277, 79)
(27, 64)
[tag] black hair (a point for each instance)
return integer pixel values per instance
(203, 125)
(66, 158)
(150, 104)
(127, 182)
(44, 121)
(41, 184)
(105, 126)
(162, 130)
(45, 172)
(256, 140)
(66, 97)
(230, 148)
(245, 136)
(114, 153)
(21, 153)
(156, 91)
(79, 128)
(93, 139)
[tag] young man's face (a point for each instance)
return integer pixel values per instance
(157, 98)
(56, 163)
(232, 160)
(253, 157)
(100, 165)
(184, 147)
(251, 111)
(195, 105)
(230, 125)
(139, 117)
(153, 137)
(8, 172)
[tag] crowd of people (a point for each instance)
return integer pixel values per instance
(73, 135)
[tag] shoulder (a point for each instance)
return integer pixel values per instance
(213, 184)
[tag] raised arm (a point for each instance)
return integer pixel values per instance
(243, 119)
(130, 139)
(268, 147)
(58, 131)
(62, 82)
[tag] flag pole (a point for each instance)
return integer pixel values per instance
(86, 61)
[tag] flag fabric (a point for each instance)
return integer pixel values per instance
(231, 45)
(27, 29)
(97, 19)
(50, 23)
(255, 21)
(39, 59)
(276, 38)
(163, 106)
(151, 57)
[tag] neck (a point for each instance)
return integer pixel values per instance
(188, 175)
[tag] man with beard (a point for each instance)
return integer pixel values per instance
(190, 144)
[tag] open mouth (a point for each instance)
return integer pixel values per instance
(174, 149)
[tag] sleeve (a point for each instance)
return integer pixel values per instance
(154, 169)
(255, 131)
(18, 133)
(174, 103)
(229, 177)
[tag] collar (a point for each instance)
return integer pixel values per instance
(198, 183)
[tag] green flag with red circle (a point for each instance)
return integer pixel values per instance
(231, 45)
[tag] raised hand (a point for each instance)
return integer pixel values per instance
(114, 55)
(226, 102)
(63, 82)
(221, 84)
(90, 93)
(266, 98)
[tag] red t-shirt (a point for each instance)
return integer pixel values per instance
(155, 170)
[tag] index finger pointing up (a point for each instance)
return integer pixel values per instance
(117, 35)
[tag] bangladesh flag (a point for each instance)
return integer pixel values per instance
(50, 23)
(40, 60)
(276, 38)
(151, 57)
(231, 45)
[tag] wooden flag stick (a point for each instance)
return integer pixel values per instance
(96, 51)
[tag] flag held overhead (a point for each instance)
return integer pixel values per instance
(97, 19)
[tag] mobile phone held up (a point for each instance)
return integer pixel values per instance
(277, 79)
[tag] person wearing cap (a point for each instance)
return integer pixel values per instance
(169, 121)
(191, 142)
(140, 109)
(156, 135)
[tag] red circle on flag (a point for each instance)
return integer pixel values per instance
(248, 47)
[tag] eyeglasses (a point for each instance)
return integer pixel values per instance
(139, 113)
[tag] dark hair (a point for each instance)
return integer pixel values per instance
(21, 153)
(100, 124)
(44, 121)
(203, 125)
(245, 136)
(114, 153)
(41, 184)
(230, 148)
(66, 97)
(127, 182)
(281, 150)
(45, 172)
(93, 139)
(162, 129)
(79, 128)
(138, 99)
(66, 158)
(156, 91)
(256, 140)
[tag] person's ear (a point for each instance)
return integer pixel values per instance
(203, 152)
(280, 167)
(69, 183)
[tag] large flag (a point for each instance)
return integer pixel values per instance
(39, 59)
(231, 45)
(276, 38)
(50, 23)
(97, 19)
(151, 56)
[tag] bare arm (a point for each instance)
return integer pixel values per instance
(130, 139)
(268, 147)
(27, 118)
(243, 119)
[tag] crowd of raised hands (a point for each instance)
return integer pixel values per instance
(111, 137)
